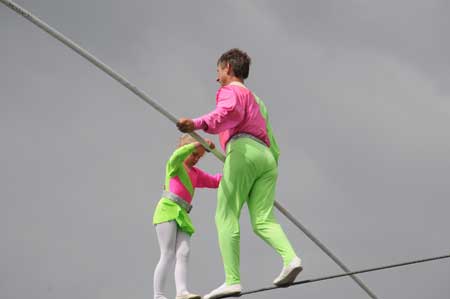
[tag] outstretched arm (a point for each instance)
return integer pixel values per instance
(226, 115)
(206, 180)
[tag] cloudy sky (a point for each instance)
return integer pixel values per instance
(358, 93)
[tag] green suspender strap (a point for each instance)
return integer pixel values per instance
(273, 143)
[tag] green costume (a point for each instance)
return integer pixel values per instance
(249, 175)
(167, 210)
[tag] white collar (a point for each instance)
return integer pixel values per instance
(238, 84)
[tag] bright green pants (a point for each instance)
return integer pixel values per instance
(249, 175)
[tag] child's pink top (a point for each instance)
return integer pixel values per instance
(199, 179)
(236, 112)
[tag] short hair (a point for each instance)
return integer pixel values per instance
(238, 60)
(185, 139)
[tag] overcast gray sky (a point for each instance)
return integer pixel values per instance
(358, 94)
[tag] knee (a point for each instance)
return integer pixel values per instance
(229, 223)
(259, 227)
(183, 252)
(168, 255)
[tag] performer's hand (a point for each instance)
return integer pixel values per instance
(211, 145)
(199, 147)
(185, 125)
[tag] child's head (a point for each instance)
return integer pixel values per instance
(185, 139)
(233, 63)
(193, 158)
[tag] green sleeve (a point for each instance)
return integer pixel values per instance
(273, 142)
(177, 158)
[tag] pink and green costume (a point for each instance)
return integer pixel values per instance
(249, 175)
(182, 181)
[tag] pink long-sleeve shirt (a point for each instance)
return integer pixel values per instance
(199, 179)
(183, 180)
(236, 112)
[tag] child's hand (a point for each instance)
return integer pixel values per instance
(185, 125)
(211, 145)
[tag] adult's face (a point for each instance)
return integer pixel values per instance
(223, 73)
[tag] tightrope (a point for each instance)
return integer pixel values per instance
(340, 275)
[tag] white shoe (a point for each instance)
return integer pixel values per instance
(188, 296)
(224, 290)
(289, 272)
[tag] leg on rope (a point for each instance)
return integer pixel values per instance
(167, 234)
(260, 206)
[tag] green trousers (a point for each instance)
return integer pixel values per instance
(249, 176)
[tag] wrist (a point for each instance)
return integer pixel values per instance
(199, 123)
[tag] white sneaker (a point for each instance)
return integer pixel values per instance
(188, 296)
(289, 272)
(224, 290)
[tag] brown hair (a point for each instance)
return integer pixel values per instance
(238, 60)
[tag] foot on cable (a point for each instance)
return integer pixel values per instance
(289, 272)
(224, 290)
(188, 295)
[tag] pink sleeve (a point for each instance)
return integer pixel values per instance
(228, 113)
(206, 180)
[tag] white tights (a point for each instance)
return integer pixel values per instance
(174, 245)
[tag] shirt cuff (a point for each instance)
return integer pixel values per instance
(199, 123)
